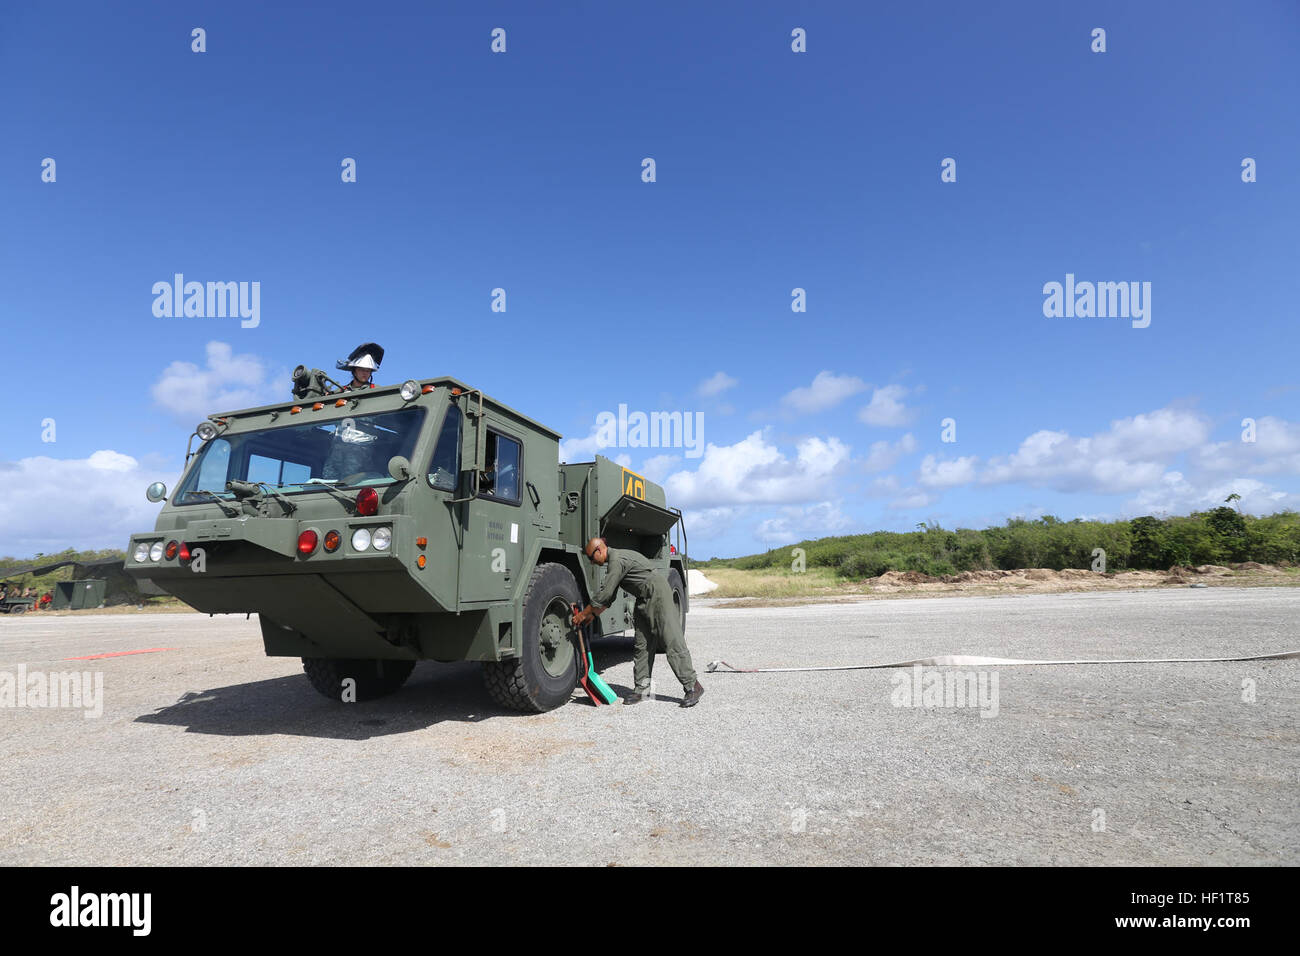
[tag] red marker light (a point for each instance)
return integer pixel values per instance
(307, 542)
(368, 502)
(185, 551)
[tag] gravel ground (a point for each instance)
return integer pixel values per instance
(211, 753)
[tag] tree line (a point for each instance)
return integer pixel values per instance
(1219, 536)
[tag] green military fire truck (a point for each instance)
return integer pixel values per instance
(375, 528)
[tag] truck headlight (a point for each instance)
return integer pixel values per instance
(382, 538)
(156, 552)
(141, 553)
(360, 539)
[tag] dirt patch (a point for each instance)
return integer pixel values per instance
(902, 577)
(511, 747)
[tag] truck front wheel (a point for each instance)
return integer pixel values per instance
(544, 676)
(373, 678)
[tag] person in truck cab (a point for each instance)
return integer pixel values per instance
(362, 363)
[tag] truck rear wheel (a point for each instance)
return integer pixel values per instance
(544, 676)
(374, 678)
(679, 595)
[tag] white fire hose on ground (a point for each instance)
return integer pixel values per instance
(961, 660)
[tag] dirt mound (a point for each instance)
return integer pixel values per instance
(1077, 574)
(1040, 574)
(965, 577)
(1044, 580)
(903, 577)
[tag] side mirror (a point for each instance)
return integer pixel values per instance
(399, 468)
(156, 492)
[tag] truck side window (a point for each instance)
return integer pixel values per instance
(502, 468)
(445, 465)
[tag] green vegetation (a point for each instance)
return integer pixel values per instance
(1219, 536)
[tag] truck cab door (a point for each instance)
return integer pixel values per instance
(496, 524)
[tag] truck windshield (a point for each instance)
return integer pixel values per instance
(349, 451)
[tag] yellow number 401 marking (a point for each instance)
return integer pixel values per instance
(633, 484)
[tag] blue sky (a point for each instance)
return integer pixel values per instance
(775, 170)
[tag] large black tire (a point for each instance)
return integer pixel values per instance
(375, 678)
(544, 677)
(679, 595)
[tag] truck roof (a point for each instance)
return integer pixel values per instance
(390, 389)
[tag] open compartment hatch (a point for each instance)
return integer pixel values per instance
(639, 517)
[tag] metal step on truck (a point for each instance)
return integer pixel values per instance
(372, 529)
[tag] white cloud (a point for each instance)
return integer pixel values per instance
(708, 523)
(1133, 453)
(1175, 494)
(228, 381)
(884, 485)
(947, 474)
(753, 471)
(883, 454)
(886, 407)
(801, 523)
(658, 467)
(48, 504)
(826, 391)
(1137, 455)
(582, 449)
(1275, 450)
(716, 384)
(913, 498)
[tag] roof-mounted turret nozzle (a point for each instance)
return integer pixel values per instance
(311, 383)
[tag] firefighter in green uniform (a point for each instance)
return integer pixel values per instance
(657, 621)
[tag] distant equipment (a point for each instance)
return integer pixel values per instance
(78, 595)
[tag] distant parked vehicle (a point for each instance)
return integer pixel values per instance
(13, 601)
